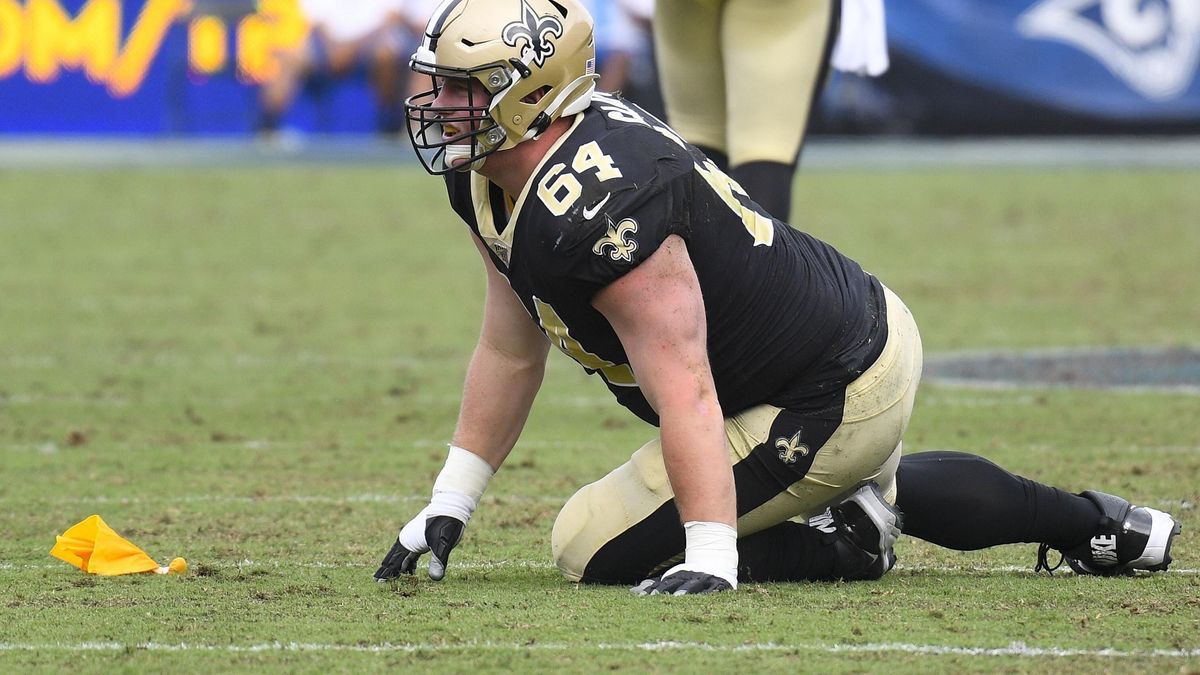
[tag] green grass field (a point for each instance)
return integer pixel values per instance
(257, 369)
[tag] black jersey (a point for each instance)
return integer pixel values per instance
(790, 320)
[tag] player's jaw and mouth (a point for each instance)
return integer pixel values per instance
(458, 133)
(452, 134)
(459, 118)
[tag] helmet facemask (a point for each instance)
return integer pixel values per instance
(532, 67)
(478, 134)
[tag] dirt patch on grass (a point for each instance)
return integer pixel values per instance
(1175, 369)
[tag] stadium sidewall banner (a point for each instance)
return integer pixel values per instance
(1130, 60)
(157, 67)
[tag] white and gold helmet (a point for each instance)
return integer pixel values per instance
(513, 48)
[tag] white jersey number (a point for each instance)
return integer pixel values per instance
(559, 190)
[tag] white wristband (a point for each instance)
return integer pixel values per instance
(711, 548)
(459, 486)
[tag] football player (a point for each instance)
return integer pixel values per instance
(780, 374)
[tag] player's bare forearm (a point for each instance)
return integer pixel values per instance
(697, 460)
(497, 396)
(658, 313)
(504, 375)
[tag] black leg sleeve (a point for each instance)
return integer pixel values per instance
(718, 157)
(769, 184)
(786, 552)
(965, 502)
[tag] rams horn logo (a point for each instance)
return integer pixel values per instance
(1154, 47)
(535, 31)
(619, 238)
(790, 447)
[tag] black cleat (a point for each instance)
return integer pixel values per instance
(865, 528)
(1129, 538)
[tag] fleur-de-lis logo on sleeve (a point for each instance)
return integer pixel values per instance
(535, 32)
(619, 238)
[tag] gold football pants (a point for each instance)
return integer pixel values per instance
(740, 76)
(625, 526)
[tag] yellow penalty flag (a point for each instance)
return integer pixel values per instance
(93, 546)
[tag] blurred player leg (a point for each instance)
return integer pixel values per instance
(277, 94)
(688, 49)
(388, 71)
(776, 56)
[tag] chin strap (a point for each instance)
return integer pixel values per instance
(454, 152)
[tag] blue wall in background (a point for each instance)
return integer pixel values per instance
(1110, 59)
(1117, 59)
(124, 94)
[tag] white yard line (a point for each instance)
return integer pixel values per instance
(268, 499)
(50, 447)
(189, 360)
(311, 564)
(1019, 649)
(369, 498)
(1009, 569)
(534, 564)
(20, 398)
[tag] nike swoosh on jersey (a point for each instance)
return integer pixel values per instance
(590, 212)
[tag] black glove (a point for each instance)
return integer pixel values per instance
(438, 535)
(683, 582)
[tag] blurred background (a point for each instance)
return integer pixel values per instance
(285, 70)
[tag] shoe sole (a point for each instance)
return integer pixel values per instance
(886, 518)
(1157, 555)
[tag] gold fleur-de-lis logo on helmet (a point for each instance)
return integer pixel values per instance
(535, 32)
(620, 238)
(791, 448)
